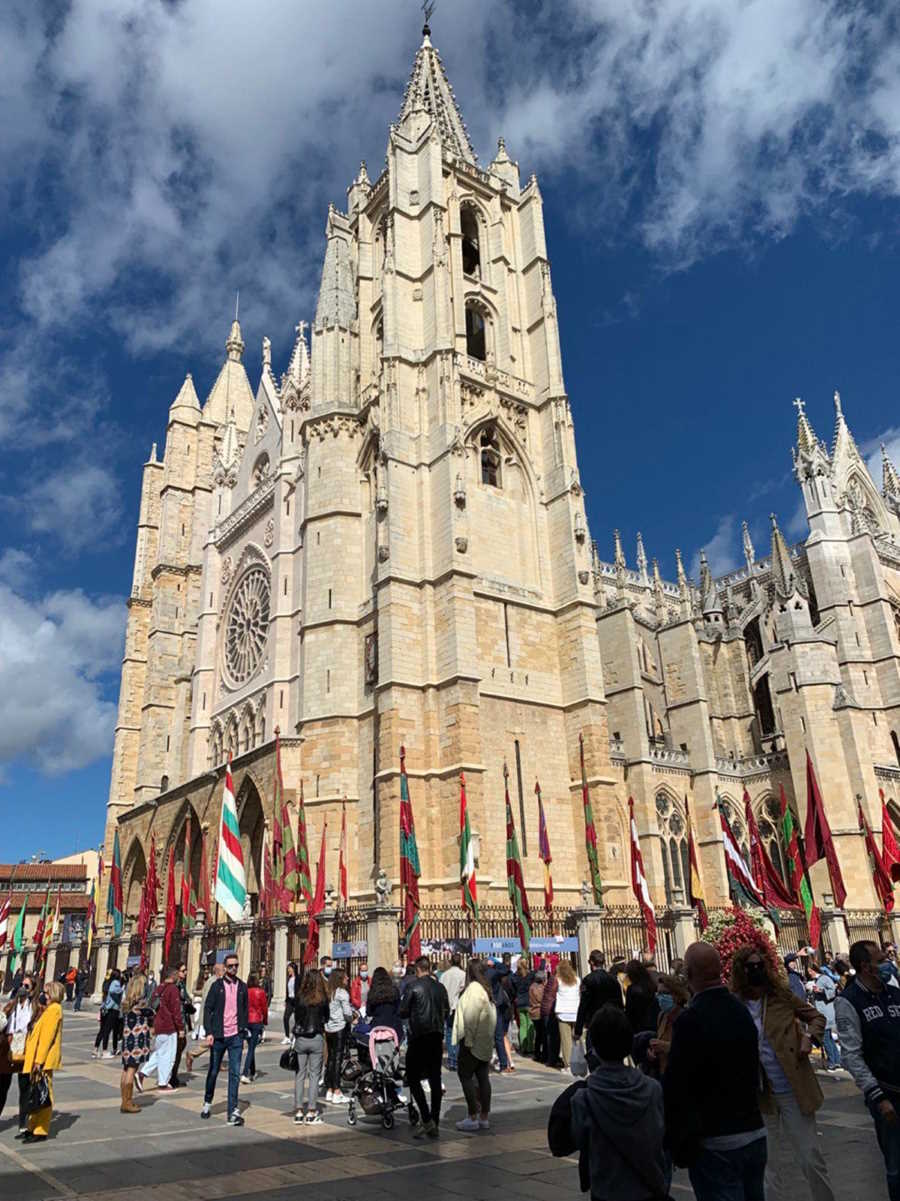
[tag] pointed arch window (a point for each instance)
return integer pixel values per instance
(673, 843)
(490, 458)
(476, 332)
(471, 244)
(769, 823)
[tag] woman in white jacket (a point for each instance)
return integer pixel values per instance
(567, 997)
(474, 1024)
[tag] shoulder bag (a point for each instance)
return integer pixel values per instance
(38, 1096)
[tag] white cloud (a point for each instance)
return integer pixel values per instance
(54, 713)
(721, 549)
(80, 505)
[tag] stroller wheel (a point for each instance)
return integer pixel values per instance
(387, 1121)
(351, 1114)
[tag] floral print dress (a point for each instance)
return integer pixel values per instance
(138, 1028)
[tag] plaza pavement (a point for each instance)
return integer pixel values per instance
(167, 1153)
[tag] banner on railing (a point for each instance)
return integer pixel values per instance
(512, 946)
(349, 950)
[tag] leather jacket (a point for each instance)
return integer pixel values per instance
(425, 1005)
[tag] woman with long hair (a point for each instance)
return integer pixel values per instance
(311, 1009)
(789, 1093)
(109, 1016)
(137, 1027)
(474, 1029)
(568, 994)
(383, 1002)
(258, 1016)
(43, 1055)
(293, 979)
(340, 1014)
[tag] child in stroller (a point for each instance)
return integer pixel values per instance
(376, 1091)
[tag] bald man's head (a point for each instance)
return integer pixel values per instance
(703, 966)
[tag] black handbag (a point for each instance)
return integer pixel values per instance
(38, 1092)
(289, 1060)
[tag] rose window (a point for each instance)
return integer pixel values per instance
(247, 626)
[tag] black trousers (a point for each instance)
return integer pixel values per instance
(6, 1084)
(424, 1054)
(109, 1025)
(540, 1039)
(551, 1040)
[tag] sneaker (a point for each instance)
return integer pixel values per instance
(204, 1112)
(423, 1129)
(339, 1098)
(245, 1080)
(109, 1054)
(299, 1117)
(166, 1088)
(314, 1119)
(484, 1124)
(469, 1125)
(329, 1096)
(435, 1131)
(285, 1042)
(235, 1119)
(139, 1081)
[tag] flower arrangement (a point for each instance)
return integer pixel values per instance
(731, 929)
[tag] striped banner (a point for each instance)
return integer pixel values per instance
(231, 882)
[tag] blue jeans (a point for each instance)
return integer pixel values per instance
(256, 1033)
(832, 1052)
(499, 1035)
(888, 1134)
(730, 1175)
(451, 1047)
(233, 1045)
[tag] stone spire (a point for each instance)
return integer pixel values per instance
(186, 406)
(234, 347)
(231, 394)
(783, 575)
(659, 599)
(337, 295)
(843, 443)
(709, 597)
(619, 560)
(230, 448)
(809, 455)
(749, 552)
(298, 367)
(684, 587)
(806, 438)
(889, 476)
(429, 92)
(642, 561)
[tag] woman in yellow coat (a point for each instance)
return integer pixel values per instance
(43, 1051)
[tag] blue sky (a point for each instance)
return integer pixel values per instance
(720, 180)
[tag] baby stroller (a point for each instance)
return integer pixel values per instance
(377, 1091)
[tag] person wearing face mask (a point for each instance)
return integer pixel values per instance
(359, 988)
(868, 1022)
(790, 1093)
(672, 998)
(19, 1015)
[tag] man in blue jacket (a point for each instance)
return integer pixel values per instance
(226, 1018)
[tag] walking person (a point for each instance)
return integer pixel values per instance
(598, 988)
(137, 1025)
(217, 973)
(225, 1018)
(568, 995)
(790, 1093)
(43, 1055)
(168, 1024)
(425, 1007)
(293, 978)
(474, 1031)
(535, 994)
(109, 1017)
(497, 974)
(81, 982)
(868, 1022)
(548, 1016)
(311, 1011)
(340, 1014)
(20, 1012)
(822, 993)
(258, 1017)
(187, 1013)
(454, 981)
(713, 1124)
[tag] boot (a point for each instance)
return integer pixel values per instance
(128, 1105)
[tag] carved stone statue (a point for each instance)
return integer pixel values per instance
(382, 887)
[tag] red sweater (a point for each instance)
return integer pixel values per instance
(169, 1019)
(258, 1006)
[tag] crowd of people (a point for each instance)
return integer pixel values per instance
(683, 1068)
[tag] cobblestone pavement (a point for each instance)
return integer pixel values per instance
(166, 1153)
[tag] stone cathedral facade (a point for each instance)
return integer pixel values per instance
(387, 544)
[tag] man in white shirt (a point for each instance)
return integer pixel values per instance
(454, 981)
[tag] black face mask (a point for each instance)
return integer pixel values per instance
(756, 974)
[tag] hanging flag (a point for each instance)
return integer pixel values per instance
(188, 897)
(817, 835)
(890, 848)
(343, 893)
(285, 854)
(93, 906)
(204, 900)
(171, 910)
(42, 922)
(231, 882)
(776, 894)
(114, 905)
(316, 905)
(269, 893)
(696, 895)
(797, 871)
(304, 883)
(590, 832)
(53, 932)
(4, 919)
(544, 851)
(468, 883)
(639, 885)
(409, 868)
(741, 885)
(515, 881)
(18, 936)
(882, 881)
(152, 884)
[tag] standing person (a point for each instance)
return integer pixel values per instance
(474, 1029)
(598, 987)
(795, 980)
(137, 1022)
(535, 994)
(19, 1014)
(43, 1055)
(293, 977)
(425, 1007)
(566, 1007)
(311, 1011)
(790, 1093)
(522, 979)
(548, 1015)
(70, 984)
(109, 1017)
(257, 1020)
(497, 974)
(713, 1123)
(81, 979)
(359, 988)
(617, 1119)
(225, 1019)
(217, 973)
(822, 994)
(340, 1014)
(168, 1024)
(383, 1002)
(187, 1012)
(641, 1007)
(868, 1022)
(454, 981)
